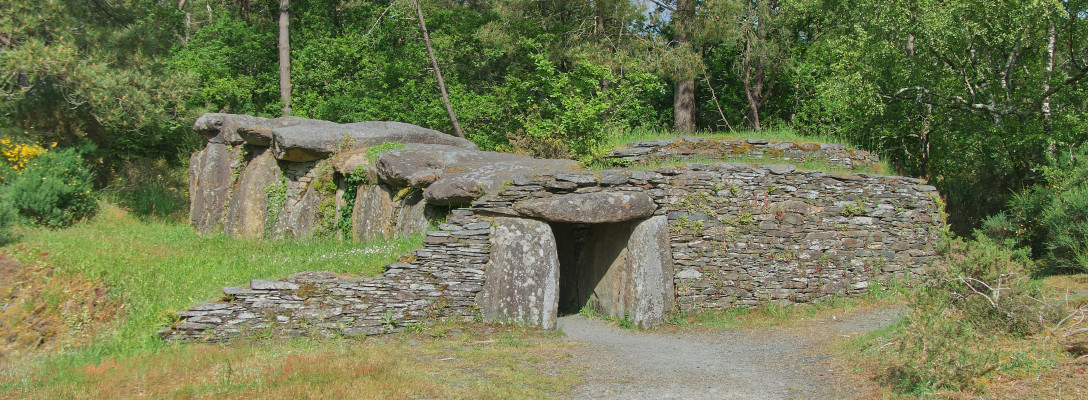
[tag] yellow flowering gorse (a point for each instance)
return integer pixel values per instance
(18, 154)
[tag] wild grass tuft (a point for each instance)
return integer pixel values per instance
(157, 267)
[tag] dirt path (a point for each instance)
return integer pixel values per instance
(770, 363)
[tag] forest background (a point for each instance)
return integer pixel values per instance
(986, 99)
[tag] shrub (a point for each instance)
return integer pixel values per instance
(983, 293)
(8, 217)
(151, 188)
(1052, 217)
(53, 190)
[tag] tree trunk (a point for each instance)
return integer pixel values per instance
(438, 73)
(285, 57)
(683, 103)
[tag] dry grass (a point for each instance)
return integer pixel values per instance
(447, 361)
(45, 309)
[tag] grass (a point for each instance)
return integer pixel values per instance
(769, 315)
(814, 164)
(157, 267)
(642, 133)
(447, 361)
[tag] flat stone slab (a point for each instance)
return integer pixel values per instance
(301, 143)
(590, 208)
(464, 186)
(410, 165)
(235, 128)
(260, 284)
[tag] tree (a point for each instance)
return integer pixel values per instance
(684, 88)
(285, 56)
(59, 81)
(971, 99)
(437, 72)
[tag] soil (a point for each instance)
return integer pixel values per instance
(790, 362)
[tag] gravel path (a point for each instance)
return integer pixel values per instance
(770, 363)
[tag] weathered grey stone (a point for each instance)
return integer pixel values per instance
(650, 263)
(372, 215)
(298, 219)
(260, 284)
(779, 169)
(462, 187)
(235, 128)
(397, 166)
(522, 275)
(592, 208)
(411, 216)
(210, 178)
(313, 142)
(247, 213)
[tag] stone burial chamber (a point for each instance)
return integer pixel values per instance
(598, 250)
(513, 239)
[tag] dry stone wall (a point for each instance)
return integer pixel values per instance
(442, 282)
(525, 237)
(689, 147)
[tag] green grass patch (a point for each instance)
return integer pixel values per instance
(769, 315)
(157, 267)
(644, 133)
(814, 164)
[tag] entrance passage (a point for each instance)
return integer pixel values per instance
(538, 269)
(621, 269)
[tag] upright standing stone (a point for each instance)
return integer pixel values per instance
(373, 213)
(209, 186)
(522, 278)
(248, 206)
(651, 268)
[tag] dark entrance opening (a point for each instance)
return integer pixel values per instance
(593, 267)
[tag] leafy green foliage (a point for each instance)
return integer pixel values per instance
(1052, 218)
(54, 190)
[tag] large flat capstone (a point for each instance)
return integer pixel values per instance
(522, 278)
(235, 128)
(315, 141)
(590, 208)
(461, 187)
(399, 167)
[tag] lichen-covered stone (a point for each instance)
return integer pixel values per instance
(591, 208)
(210, 178)
(652, 273)
(462, 187)
(315, 141)
(246, 215)
(372, 214)
(522, 276)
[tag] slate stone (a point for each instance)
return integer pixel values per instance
(312, 142)
(236, 128)
(592, 208)
(260, 284)
(522, 276)
(779, 169)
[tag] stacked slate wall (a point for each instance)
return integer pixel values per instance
(746, 236)
(739, 235)
(441, 282)
(689, 147)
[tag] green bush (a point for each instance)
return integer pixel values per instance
(982, 293)
(1052, 217)
(151, 188)
(8, 217)
(54, 190)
